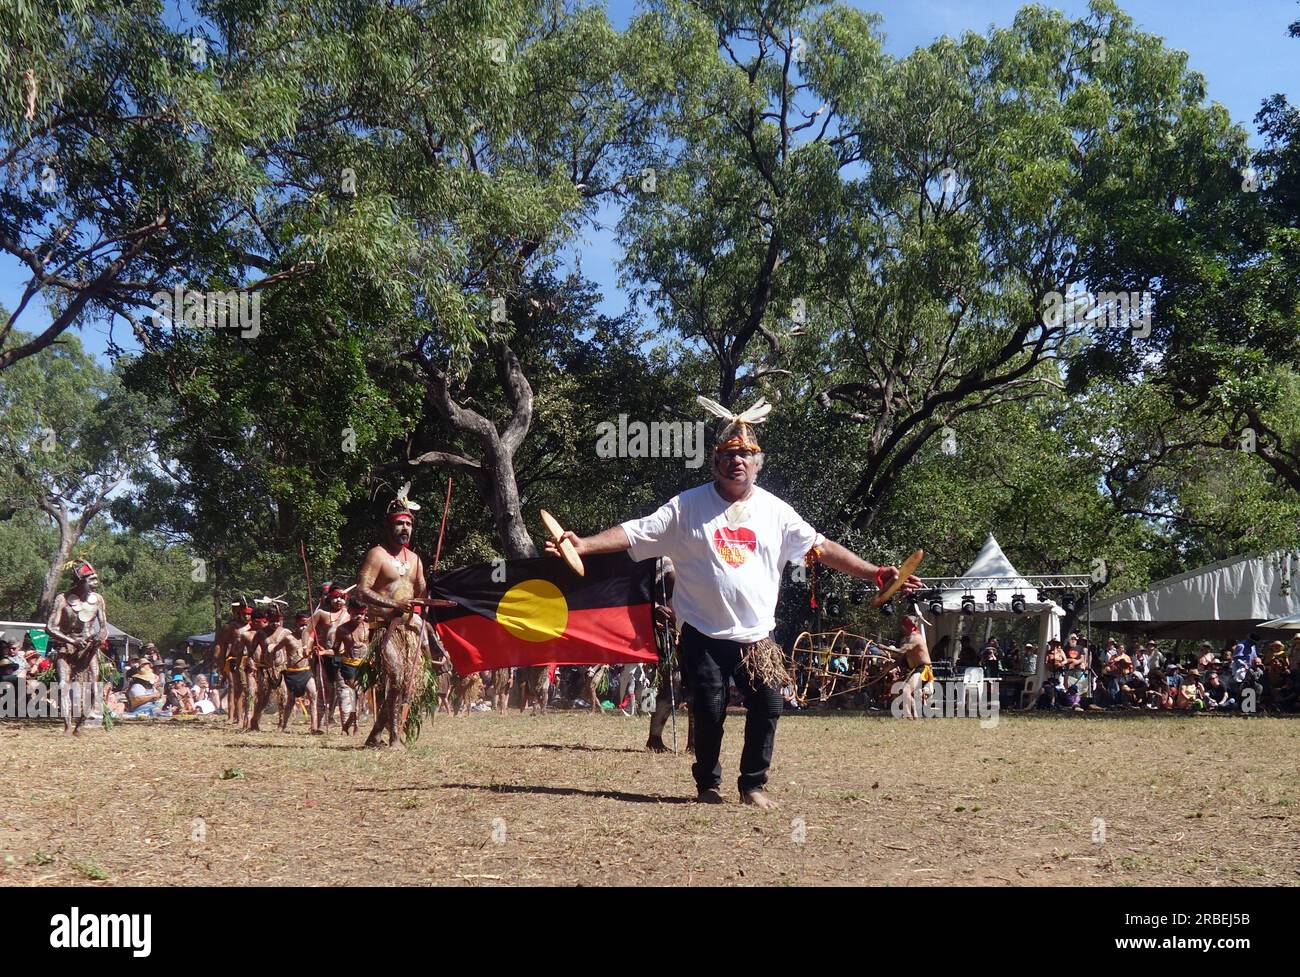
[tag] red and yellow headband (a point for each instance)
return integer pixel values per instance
(737, 432)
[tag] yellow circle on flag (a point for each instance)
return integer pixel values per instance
(534, 610)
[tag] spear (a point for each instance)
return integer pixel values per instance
(320, 674)
(670, 648)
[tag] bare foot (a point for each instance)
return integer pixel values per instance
(759, 799)
(656, 744)
(709, 796)
(68, 731)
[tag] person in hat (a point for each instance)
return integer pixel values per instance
(78, 627)
(1190, 695)
(229, 657)
(325, 622)
(180, 695)
(730, 541)
(143, 697)
(351, 647)
(391, 581)
(291, 649)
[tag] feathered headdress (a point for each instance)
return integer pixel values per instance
(737, 431)
(269, 607)
(402, 505)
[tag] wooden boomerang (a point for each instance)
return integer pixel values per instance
(905, 571)
(567, 549)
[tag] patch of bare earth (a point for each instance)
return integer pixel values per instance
(574, 799)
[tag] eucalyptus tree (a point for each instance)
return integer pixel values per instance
(946, 230)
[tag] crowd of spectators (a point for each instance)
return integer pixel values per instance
(146, 685)
(156, 687)
(1241, 676)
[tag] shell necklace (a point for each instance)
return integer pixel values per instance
(401, 565)
(85, 610)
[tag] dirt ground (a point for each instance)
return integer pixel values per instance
(573, 799)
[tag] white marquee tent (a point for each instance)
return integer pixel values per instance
(993, 571)
(1223, 600)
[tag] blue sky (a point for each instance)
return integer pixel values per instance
(1241, 48)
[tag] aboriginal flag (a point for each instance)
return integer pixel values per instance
(539, 612)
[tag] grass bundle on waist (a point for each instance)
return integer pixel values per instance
(424, 699)
(764, 663)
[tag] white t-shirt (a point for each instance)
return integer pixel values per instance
(728, 566)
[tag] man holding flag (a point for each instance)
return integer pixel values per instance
(729, 542)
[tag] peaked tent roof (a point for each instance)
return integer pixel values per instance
(991, 562)
(1220, 600)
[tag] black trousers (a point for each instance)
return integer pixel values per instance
(709, 662)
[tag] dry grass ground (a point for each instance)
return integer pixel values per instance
(573, 799)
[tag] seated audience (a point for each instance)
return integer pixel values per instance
(992, 667)
(180, 696)
(143, 698)
(13, 667)
(207, 699)
(1189, 696)
(1158, 695)
(1216, 693)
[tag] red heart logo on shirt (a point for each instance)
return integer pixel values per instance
(734, 545)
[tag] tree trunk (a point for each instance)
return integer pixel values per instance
(54, 574)
(516, 543)
(494, 470)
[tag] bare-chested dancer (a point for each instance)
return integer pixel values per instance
(324, 623)
(919, 684)
(78, 624)
(230, 655)
(292, 646)
(351, 646)
(268, 623)
(391, 581)
(246, 639)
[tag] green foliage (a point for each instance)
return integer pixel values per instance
(867, 240)
(26, 542)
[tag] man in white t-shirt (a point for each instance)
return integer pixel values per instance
(729, 542)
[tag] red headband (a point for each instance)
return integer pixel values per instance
(401, 514)
(84, 570)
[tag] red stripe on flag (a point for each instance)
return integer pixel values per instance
(598, 636)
